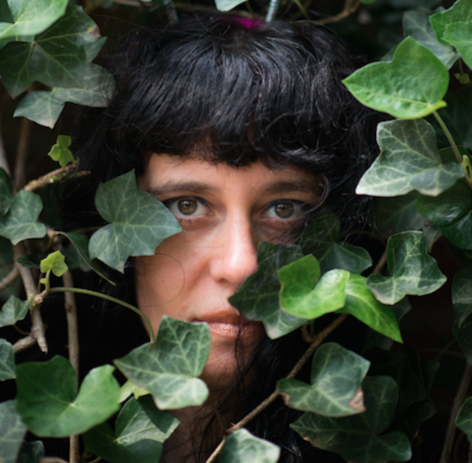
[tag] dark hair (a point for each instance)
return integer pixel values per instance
(235, 94)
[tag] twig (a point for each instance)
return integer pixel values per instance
(456, 405)
(10, 278)
(22, 153)
(349, 7)
(53, 177)
(72, 330)
(24, 343)
(37, 328)
(381, 263)
(320, 337)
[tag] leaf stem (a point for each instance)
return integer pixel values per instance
(449, 137)
(88, 292)
(10, 278)
(54, 176)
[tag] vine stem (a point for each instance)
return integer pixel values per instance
(22, 153)
(449, 137)
(349, 7)
(456, 405)
(24, 343)
(88, 292)
(53, 177)
(319, 338)
(10, 278)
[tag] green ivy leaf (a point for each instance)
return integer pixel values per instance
(7, 361)
(140, 431)
(416, 24)
(169, 367)
(409, 160)
(139, 223)
(130, 388)
(60, 152)
(258, 297)
(31, 452)
(32, 16)
(21, 221)
(451, 212)
(303, 294)
(44, 107)
(336, 377)
(48, 401)
(55, 58)
(459, 12)
(12, 431)
(462, 293)
(226, 5)
(412, 85)
(13, 310)
(464, 418)
(358, 438)
(242, 447)
(55, 262)
(412, 270)
(459, 35)
(6, 192)
(463, 334)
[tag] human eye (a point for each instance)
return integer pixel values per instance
(286, 209)
(187, 207)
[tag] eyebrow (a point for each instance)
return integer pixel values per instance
(172, 187)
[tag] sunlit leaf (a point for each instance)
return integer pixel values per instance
(459, 35)
(226, 5)
(7, 361)
(60, 152)
(48, 401)
(336, 377)
(169, 368)
(460, 11)
(13, 310)
(412, 85)
(31, 452)
(54, 262)
(258, 297)
(21, 221)
(242, 447)
(138, 222)
(358, 438)
(412, 270)
(140, 431)
(409, 160)
(12, 431)
(6, 192)
(464, 418)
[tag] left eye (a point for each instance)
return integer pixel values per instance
(285, 209)
(186, 207)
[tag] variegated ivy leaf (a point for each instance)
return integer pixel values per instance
(7, 361)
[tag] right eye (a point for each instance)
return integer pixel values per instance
(187, 207)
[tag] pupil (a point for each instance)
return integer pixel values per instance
(187, 206)
(284, 210)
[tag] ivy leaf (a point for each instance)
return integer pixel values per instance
(48, 402)
(241, 447)
(32, 16)
(416, 24)
(424, 81)
(451, 212)
(462, 293)
(226, 5)
(139, 223)
(44, 107)
(463, 334)
(358, 438)
(140, 431)
(464, 418)
(55, 58)
(13, 310)
(336, 377)
(7, 361)
(12, 431)
(6, 192)
(258, 297)
(21, 221)
(130, 388)
(459, 35)
(409, 160)
(55, 262)
(60, 152)
(169, 367)
(321, 239)
(31, 452)
(302, 295)
(460, 11)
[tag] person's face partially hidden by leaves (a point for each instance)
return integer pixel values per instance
(224, 211)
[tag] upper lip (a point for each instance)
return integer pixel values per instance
(230, 316)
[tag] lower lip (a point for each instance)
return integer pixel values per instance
(233, 331)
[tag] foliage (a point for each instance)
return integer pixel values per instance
(422, 175)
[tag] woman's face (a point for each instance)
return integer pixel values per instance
(225, 212)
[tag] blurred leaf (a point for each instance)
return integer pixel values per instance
(358, 438)
(32, 16)
(92, 49)
(7, 361)
(48, 401)
(31, 452)
(459, 35)
(409, 160)
(258, 297)
(6, 192)
(130, 388)
(60, 152)
(424, 81)
(44, 107)
(463, 334)
(462, 293)
(13, 310)
(451, 212)
(169, 367)
(140, 431)
(226, 5)
(21, 222)
(31, 260)
(416, 24)
(459, 12)
(464, 418)
(412, 270)
(304, 294)
(55, 58)
(139, 222)
(54, 262)
(242, 447)
(336, 377)
(12, 431)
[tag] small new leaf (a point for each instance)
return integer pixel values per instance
(60, 152)
(54, 262)
(7, 361)
(12, 431)
(13, 310)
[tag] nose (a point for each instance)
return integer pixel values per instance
(235, 255)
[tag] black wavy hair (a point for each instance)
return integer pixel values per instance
(234, 94)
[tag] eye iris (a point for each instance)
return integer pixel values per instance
(284, 210)
(187, 206)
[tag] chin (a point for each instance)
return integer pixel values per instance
(221, 368)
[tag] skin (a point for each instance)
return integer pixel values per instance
(225, 212)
